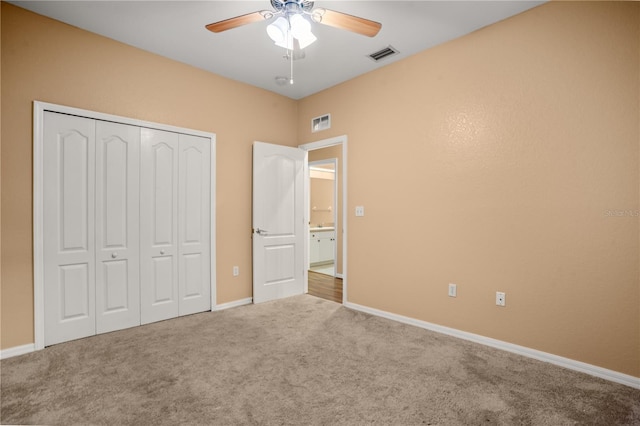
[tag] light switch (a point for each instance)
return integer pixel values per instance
(359, 210)
(453, 290)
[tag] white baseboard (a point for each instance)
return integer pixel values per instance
(339, 276)
(234, 304)
(571, 364)
(31, 347)
(17, 350)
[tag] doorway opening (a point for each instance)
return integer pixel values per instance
(323, 216)
(326, 218)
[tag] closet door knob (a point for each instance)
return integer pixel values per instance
(114, 255)
(161, 251)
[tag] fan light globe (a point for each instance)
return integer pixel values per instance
(286, 43)
(306, 40)
(283, 37)
(301, 30)
(299, 26)
(278, 30)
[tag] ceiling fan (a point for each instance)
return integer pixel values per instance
(290, 9)
(292, 31)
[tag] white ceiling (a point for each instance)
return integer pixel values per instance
(176, 30)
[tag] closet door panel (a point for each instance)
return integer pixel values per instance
(195, 227)
(117, 226)
(115, 296)
(163, 283)
(159, 225)
(69, 253)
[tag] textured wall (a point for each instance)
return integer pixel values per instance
(511, 164)
(46, 60)
(0, 178)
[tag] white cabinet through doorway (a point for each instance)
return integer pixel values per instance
(322, 247)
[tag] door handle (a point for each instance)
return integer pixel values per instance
(114, 255)
(261, 231)
(161, 251)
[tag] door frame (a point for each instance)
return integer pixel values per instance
(311, 146)
(39, 109)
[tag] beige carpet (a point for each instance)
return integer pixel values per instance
(297, 361)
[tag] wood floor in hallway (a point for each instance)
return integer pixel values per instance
(325, 286)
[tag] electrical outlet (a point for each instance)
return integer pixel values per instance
(236, 271)
(453, 290)
(501, 299)
(359, 210)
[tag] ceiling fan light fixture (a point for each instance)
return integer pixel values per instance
(278, 30)
(283, 30)
(286, 42)
(299, 26)
(306, 40)
(301, 30)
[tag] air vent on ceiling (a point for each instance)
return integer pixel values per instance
(384, 53)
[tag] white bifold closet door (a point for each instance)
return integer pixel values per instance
(175, 232)
(117, 224)
(91, 253)
(127, 226)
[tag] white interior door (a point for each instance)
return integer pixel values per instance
(278, 221)
(117, 226)
(194, 231)
(159, 225)
(69, 248)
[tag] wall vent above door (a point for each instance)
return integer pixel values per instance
(321, 123)
(383, 53)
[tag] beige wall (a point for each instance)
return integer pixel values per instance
(329, 152)
(0, 180)
(45, 60)
(321, 198)
(503, 151)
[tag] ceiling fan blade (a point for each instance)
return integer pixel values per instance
(227, 24)
(346, 22)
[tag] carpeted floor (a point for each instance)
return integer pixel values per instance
(301, 360)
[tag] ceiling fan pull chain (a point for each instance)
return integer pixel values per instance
(291, 62)
(290, 53)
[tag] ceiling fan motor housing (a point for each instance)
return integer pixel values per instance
(292, 6)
